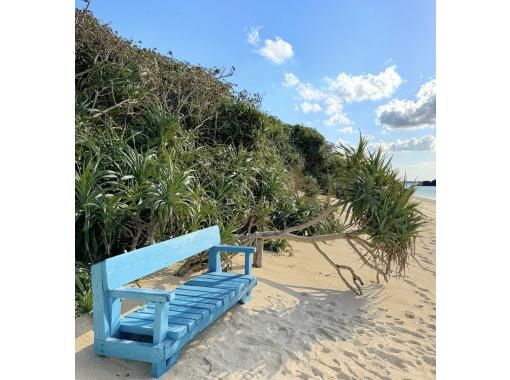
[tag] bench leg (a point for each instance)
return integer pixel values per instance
(246, 298)
(161, 367)
(158, 368)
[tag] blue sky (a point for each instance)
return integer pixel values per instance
(338, 66)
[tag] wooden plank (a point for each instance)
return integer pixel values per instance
(217, 285)
(177, 318)
(223, 298)
(214, 260)
(197, 305)
(115, 309)
(235, 279)
(146, 327)
(232, 275)
(214, 281)
(101, 313)
(188, 286)
(125, 268)
(234, 248)
(161, 314)
(127, 349)
(199, 300)
(190, 309)
(140, 294)
(247, 263)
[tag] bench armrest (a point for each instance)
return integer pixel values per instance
(214, 262)
(160, 297)
(138, 294)
(235, 248)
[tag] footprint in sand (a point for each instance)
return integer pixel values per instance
(410, 332)
(398, 321)
(317, 372)
(429, 360)
(350, 355)
(409, 314)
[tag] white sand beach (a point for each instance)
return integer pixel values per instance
(303, 323)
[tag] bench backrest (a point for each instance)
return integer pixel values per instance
(128, 267)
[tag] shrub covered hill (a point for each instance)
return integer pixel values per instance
(164, 148)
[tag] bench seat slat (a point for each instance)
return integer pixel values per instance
(245, 281)
(199, 300)
(217, 285)
(210, 292)
(186, 320)
(146, 327)
(230, 276)
(186, 309)
(212, 297)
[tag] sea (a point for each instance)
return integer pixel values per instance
(428, 192)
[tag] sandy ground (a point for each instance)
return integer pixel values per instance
(304, 323)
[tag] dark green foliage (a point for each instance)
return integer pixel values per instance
(377, 202)
(320, 161)
(278, 246)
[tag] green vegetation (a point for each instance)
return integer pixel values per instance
(164, 148)
(83, 289)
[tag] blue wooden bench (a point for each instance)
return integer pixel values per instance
(156, 332)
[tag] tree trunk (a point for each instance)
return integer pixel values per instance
(257, 258)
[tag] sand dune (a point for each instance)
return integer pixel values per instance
(304, 323)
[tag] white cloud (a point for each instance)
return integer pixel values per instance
(425, 143)
(277, 50)
(345, 88)
(253, 36)
(307, 107)
(309, 92)
(346, 130)
(335, 112)
(290, 80)
(408, 114)
(356, 88)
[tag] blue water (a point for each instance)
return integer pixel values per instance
(428, 192)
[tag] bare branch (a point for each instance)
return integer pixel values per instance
(355, 278)
(366, 262)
